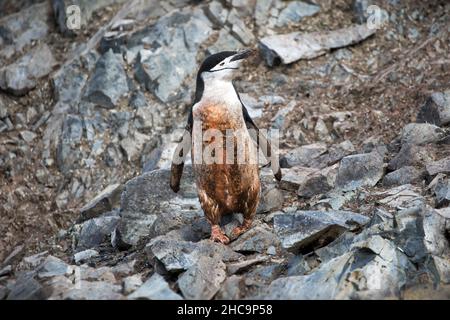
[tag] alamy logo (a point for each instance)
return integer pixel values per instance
(73, 14)
(376, 17)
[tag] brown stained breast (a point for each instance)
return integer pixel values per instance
(233, 187)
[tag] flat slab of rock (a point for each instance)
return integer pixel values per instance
(102, 203)
(295, 11)
(146, 197)
(374, 268)
(303, 156)
(155, 288)
(306, 230)
(257, 239)
(360, 170)
(291, 47)
(439, 166)
(95, 290)
(421, 133)
(293, 178)
(178, 255)
(404, 175)
(436, 109)
(202, 280)
(22, 76)
(108, 82)
(403, 196)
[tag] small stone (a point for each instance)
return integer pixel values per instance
(108, 83)
(439, 166)
(257, 239)
(241, 266)
(22, 76)
(239, 29)
(133, 145)
(231, 289)
(303, 231)
(203, 280)
(155, 288)
(404, 175)
(404, 196)
(52, 267)
(303, 156)
(436, 109)
(103, 202)
(421, 133)
(131, 283)
(296, 11)
(85, 255)
(360, 170)
(216, 13)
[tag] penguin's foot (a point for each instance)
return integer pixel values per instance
(244, 227)
(217, 235)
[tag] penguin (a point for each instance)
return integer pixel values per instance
(223, 186)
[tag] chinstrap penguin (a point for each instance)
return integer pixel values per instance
(223, 187)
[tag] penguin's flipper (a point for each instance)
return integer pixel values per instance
(262, 142)
(183, 148)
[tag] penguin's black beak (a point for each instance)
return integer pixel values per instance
(242, 55)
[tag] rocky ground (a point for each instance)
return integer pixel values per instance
(89, 119)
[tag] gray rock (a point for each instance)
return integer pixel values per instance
(108, 83)
(69, 83)
(155, 288)
(158, 70)
(439, 166)
(67, 153)
(28, 136)
(3, 292)
(436, 109)
(287, 48)
(334, 154)
(360, 170)
(303, 231)
(265, 274)
(131, 284)
(20, 29)
(147, 196)
(374, 268)
(271, 199)
(34, 261)
(231, 288)
(295, 11)
(52, 267)
(360, 10)
(177, 255)
(225, 42)
(216, 13)
(203, 279)
(20, 77)
(294, 177)
(442, 193)
(404, 175)
(26, 288)
(297, 266)
(241, 266)
(133, 145)
(3, 109)
(314, 184)
(85, 255)
(421, 133)
(239, 29)
(95, 231)
(303, 156)
(103, 202)
(262, 9)
(95, 290)
(257, 239)
(412, 155)
(403, 196)
(138, 100)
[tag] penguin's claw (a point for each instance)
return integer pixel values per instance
(217, 235)
(243, 228)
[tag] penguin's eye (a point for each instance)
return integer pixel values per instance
(222, 63)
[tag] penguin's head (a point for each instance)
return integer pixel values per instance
(220, 66)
